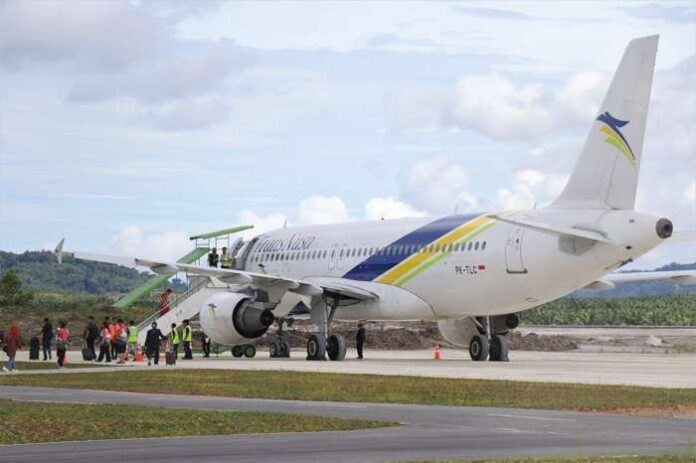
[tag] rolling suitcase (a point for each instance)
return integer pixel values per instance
(34, 347)
(87, 354)
(170, 358)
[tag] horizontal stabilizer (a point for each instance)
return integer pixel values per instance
(682, 277)
(595, 235)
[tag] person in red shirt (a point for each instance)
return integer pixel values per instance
(12, 343)
(164, 301)
(62, 343)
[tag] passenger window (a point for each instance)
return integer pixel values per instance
(476, 246)
(483, 246)
(469, 246)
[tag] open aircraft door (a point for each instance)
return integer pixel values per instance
(513, 251)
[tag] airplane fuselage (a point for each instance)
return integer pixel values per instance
(453, 266)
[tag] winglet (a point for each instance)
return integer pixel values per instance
(59, 251)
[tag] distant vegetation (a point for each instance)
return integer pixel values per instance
(41, 271)
(675, 310)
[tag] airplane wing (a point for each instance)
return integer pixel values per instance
(230, 276)
(682, 277)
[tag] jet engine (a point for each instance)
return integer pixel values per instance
(232, 318)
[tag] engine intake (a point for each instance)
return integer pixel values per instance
(232, 318)
(251, 322)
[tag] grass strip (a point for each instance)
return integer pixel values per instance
(372, 388)
(34, 422)
(688, 458)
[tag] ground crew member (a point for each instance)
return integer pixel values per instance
(164, 301)
(187, 337)
(205, 344)
(226, 259)
(132, 338)
(153, 340)
(174, 340)
(213, 258)
(360, 339)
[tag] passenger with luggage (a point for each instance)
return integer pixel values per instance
(153, 341)
(105, 343)
(132, 338)
(12, 343)
(187, 338)
(62, 338)
(46, 338)
(90, 336)
(174, 341)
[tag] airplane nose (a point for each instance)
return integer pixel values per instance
(664, 228)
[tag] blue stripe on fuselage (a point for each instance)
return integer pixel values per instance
(377, 264)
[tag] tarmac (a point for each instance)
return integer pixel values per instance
(427, 432)
(650, 370)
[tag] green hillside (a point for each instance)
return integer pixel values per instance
(40, 271)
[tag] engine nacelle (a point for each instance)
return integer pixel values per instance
(232, 318)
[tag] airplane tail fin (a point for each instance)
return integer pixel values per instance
(606, 174)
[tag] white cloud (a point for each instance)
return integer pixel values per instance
(262, 224)
(437, 186)
(531, 187)
(137, 242)
(317, 210)
(389, 208)
(579, 97)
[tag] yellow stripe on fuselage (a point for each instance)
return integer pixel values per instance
(421, 257)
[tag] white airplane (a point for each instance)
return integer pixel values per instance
(472, 273)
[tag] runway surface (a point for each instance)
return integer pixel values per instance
(428, 432)
(650, 370)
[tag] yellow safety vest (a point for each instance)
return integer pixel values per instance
(187, 334)
(132, 334)
(174, 337)
(226, 261)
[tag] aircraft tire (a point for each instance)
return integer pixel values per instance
(478, 348)
(237, 351)
(336, 347)
(249, 351)
(498, 349)
(274, 349)
(284, 349)
(316, 347)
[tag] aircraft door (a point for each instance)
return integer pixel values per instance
(513, 251)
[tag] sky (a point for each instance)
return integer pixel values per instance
(126, 127)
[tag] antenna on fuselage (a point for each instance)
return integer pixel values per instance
(456, 208)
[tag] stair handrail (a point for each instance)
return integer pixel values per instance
(179, 299)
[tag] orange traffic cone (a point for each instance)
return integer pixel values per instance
(139, 356)
(438, 354)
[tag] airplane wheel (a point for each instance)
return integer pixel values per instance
(284, 349)
(249, 351)
(316, 347)
(274, 349)
(499, 349)
(237, 351)
(478, 348)
(336, 347)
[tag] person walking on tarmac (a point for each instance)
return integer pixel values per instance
(62, 339)
(113, 328)
(90, 336)
(225, 259)
(105, 343)
(153, 341)
(205, 344)
(12, 343)
(213, 258)
(132, 338)
(187, 338)
(360, 339)
(174, 341)
(46, 337)
(164, 301)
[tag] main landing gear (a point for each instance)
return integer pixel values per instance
(280, 348)
(491, 342)
(321, 343)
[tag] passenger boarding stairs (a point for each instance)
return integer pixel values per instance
(182, 307)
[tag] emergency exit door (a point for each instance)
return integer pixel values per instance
(513, 251)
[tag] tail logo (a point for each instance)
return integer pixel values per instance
(612, 128)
